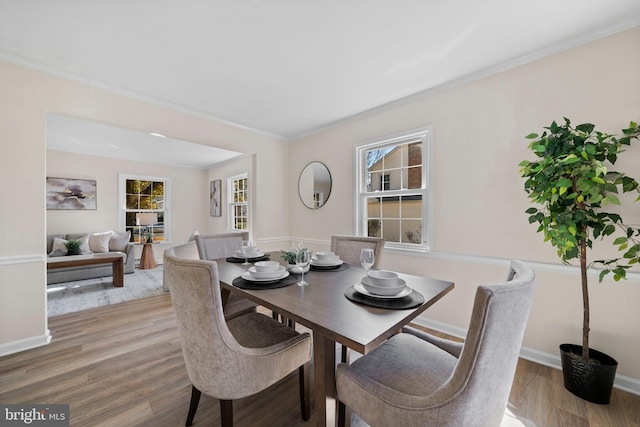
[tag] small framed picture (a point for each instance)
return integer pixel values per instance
(215, 199)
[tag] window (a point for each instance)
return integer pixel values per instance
(392, 190)
(239, 202)
(145, 195)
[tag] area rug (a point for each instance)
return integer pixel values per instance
(80, 295)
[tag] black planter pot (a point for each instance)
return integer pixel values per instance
(589, 380)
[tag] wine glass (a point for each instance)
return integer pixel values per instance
(246, 244)
(303, 257)
(367, 259)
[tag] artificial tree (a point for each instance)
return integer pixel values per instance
(571, 182)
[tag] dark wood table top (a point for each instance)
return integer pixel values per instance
(323, 307)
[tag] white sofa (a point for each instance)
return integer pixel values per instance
(99, 242)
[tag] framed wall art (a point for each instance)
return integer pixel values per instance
(71, 194)
(215, 200)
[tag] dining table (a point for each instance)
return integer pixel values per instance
(323, 307)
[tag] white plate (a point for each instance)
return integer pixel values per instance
(360, 289)
(240, 255)
(328, 263)
(247, 276)
(266, 274)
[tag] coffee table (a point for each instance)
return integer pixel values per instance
(115, 259)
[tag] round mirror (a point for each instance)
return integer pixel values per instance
(314, 185)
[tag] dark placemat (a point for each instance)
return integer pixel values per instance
(340, 267)
(413, 300)
(264, 257)
(241, 283)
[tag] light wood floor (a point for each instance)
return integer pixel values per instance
(122, 366)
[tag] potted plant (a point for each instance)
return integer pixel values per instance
(73, 247)
(572, 183)
(289, 256)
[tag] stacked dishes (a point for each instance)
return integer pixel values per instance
(383, 284)
(266, 271)
(252, 252)
(326, 260)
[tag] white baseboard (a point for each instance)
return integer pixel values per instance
(628, 384)
(25, 344)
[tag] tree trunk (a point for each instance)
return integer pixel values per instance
(585, 299)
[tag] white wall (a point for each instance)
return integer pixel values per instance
(26, 96)
(479, 201)
(189, 195)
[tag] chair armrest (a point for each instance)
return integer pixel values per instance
(452, 347)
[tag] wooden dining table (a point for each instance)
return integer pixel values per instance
(322, 307)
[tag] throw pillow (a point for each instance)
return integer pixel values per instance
(59, 246)
(99, 242)
(119, 241)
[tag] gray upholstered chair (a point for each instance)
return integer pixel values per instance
(230, 359)
(187, 250)
(416, 379)
(348, 248)
(223, 245)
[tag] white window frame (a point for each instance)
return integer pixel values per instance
(425, 135)
(122, 202)
(231, 204)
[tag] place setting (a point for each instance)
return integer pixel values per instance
(327, 261)
(265, 275)
(381, 288)
(247, 254)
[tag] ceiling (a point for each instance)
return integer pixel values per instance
(289, 68)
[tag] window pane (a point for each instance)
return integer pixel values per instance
(374, 207)
(132, 201)
(393, 159)
(391, 230)
(145, 202)
(390, 207)
(374, 228)
(145, 187)
(412, 206)
(411, 231)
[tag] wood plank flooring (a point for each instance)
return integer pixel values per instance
(122, 366)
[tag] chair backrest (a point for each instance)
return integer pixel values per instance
(222, 245)
(215, 361)
(348, 248)
(481, 381)
(187, 250)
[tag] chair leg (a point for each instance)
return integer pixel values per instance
(226, 413)
(305, 404)
(342, 414)
(193, 405)
(345, 355)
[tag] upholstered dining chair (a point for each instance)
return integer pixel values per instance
(416, 379)
(230, 359)
(224, 245)
(348, 248)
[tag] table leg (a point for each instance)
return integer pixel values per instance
(324, 365)
(118, 273)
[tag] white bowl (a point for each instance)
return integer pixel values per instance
(382, 278)
(383, 290)
(325, 255)
(267, 266)
(273, 274)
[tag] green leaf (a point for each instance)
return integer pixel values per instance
(532, 136)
